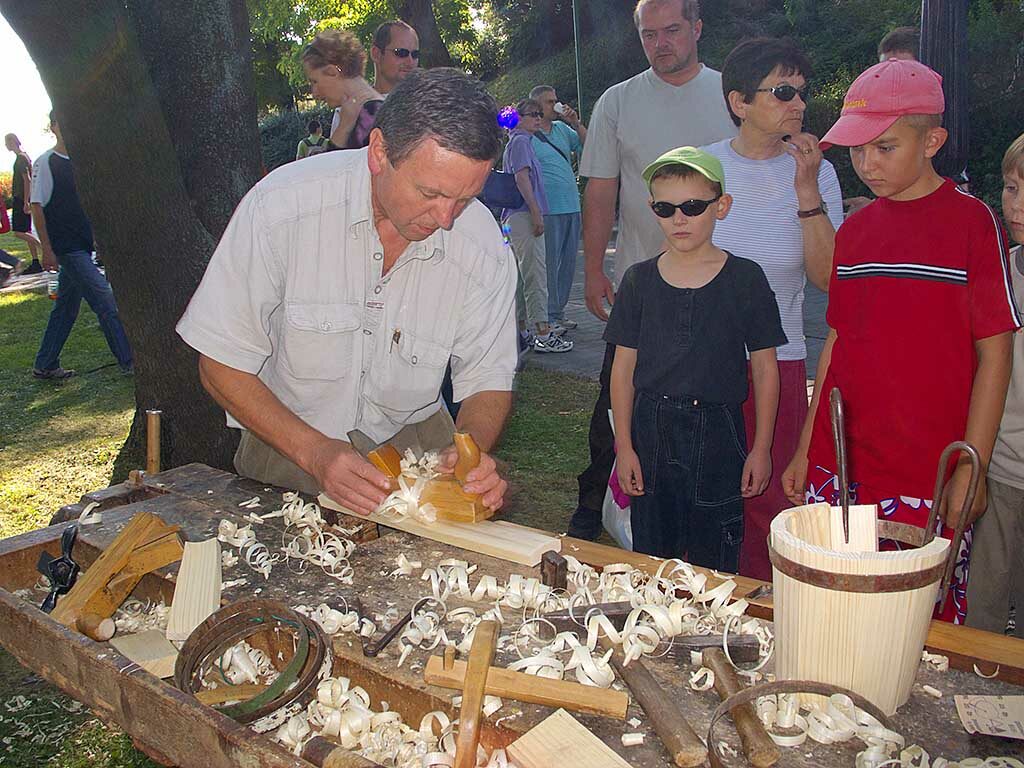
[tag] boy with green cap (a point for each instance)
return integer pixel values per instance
(682, 324)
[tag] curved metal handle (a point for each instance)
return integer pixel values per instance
(961, 523)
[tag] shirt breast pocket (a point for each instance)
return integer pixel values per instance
(318, 339)
(409, 376)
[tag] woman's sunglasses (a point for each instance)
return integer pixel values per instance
(691, 208)
(531, 114)
(404, 53)
(786, 92)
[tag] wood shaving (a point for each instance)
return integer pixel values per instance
(632, 739)
(88, 517)
(936, 661)
(934, 692)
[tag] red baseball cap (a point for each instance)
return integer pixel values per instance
(880, 96)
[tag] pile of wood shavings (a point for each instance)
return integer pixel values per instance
(37, 727)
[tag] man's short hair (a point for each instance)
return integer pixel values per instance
(11, 137)
(690, 8)
(382, 36)
(900, 39)
(680, 171)
(753, 60)
(313, 126)
(337, 47)
(443, 104)
(539, 90)
(1013, 160)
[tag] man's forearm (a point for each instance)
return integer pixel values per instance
(598, 219)
(581, 131)
(39, 222)
(819, 246)
(259, 410)
(484, 415)
(988, 393)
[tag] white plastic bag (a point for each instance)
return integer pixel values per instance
(615, 519)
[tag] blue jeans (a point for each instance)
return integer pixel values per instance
(691, 456)
(561, 243)
(80, 279)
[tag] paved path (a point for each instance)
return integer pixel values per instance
(586, 357)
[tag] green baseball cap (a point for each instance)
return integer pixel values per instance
(704, 162)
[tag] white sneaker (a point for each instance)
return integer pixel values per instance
(551, 343)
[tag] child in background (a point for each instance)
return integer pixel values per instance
(681, 324)
(921, 313)
(997, 552)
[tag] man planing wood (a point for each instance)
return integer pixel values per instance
(345, 284)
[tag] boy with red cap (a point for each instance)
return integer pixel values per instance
(921, 312)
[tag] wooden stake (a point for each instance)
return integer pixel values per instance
(153, 441)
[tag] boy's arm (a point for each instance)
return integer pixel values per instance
(27, 180)
(794, 479)
(988, 398)
(627, 462)
(757, 469)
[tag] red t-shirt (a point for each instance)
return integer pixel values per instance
(914, 285)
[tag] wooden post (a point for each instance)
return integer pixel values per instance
(153, 441)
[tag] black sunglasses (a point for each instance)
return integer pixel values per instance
(665, 210)
(403, 53)
(531, 114)
(786, 92)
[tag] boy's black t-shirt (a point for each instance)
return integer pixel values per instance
(691, 342)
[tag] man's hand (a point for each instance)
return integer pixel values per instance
(631, 477)
(538, 224)
(27, 208)
(598, 289)
(757, 471)
(794, 479)
(956, 493)
(50, 258)
(570, 116)
(348, 478)
(482, 480)
(803, 148)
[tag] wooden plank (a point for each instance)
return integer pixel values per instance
(197, 590)
(529, 688)
(561, 741)
(505, 541)
(150, 650)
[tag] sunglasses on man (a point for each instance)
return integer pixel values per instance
(664, 210)
(404, 53)
(786, 92)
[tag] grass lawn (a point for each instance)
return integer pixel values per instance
(58, 441)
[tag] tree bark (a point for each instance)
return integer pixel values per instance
(420, 15)
(944, 49)
(160, 162)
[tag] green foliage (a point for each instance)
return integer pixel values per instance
(6, 179)
(281, 133)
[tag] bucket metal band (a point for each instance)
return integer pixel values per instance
(851, 582)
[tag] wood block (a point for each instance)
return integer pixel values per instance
(138, 531)
(505, 541)
(530, 688)
(163, 551)
(197, 590)
(150, 650)
(561, 741)
(453, 503)
(386, 459)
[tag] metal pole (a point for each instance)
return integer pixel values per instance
(576, 46)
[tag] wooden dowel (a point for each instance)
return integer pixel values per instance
(99, 628)
(326, 754)
(758, 746)
(686, 749)
(153, 441)
(481, 654)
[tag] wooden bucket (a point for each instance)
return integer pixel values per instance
(847, 614)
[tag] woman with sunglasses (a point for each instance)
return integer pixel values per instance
(334, 64)
(786, 208)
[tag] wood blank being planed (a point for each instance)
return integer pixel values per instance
(197, 590)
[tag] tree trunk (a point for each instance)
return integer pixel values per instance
(420, 15)
(944, 49)
(164, 144)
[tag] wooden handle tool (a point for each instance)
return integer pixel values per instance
(758, 746)
(469, 455)
(481, 654)
(686, 749)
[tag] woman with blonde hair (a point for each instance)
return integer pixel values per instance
(334, 64)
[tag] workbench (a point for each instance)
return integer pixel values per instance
(183, 732)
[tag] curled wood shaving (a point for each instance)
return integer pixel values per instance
(405, 567)
(931, 691)
(936, 661)
(88, 517)
(978, 672)
(134, 616)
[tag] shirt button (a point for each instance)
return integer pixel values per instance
(377, 256)
(325, 325)
(377, 289)
(367, 331)
(414, 360)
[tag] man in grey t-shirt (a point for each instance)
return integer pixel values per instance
(677, 102)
